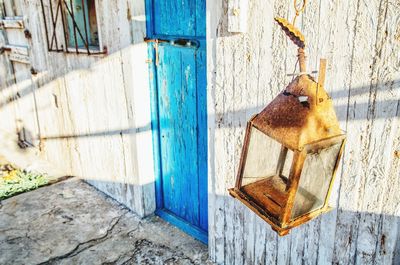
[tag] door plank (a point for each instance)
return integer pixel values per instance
(201, 64)
(12, 23)
(184, 18)
(178, 131)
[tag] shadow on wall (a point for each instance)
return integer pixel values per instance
(100, 133)
(26, 88)
(245, 114)
(80, 102)
(337, 237)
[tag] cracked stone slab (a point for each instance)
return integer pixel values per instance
(72, 223)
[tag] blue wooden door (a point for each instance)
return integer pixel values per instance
(179, 111)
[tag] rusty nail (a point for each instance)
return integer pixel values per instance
(33, 71)
(28, 34)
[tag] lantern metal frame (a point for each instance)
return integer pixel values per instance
(283, 224)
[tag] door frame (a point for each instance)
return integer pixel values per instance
(160, 211)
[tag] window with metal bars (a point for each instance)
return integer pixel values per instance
(71, 26)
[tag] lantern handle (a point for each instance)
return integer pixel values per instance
(292, 32)
(290, 29)
(297, 37)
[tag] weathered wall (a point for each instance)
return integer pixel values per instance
(90, 113)
(361, 40)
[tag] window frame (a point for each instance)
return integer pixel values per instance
(58, 26)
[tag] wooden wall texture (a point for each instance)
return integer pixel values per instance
(361, 40)
(92, 113)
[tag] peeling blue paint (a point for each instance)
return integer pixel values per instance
(179, 112)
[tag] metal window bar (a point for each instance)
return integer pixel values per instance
(52, 42)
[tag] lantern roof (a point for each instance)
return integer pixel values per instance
(301, 114)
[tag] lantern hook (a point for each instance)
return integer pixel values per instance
(298, 9)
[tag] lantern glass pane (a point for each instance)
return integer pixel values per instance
(266, 170)
(315, 180)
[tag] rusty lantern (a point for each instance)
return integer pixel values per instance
(291, 151)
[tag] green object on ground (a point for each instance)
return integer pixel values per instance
(18, 181)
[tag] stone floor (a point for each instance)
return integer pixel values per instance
(72, 223)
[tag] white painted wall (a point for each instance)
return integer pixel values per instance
(246, 71)
(93, 111)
